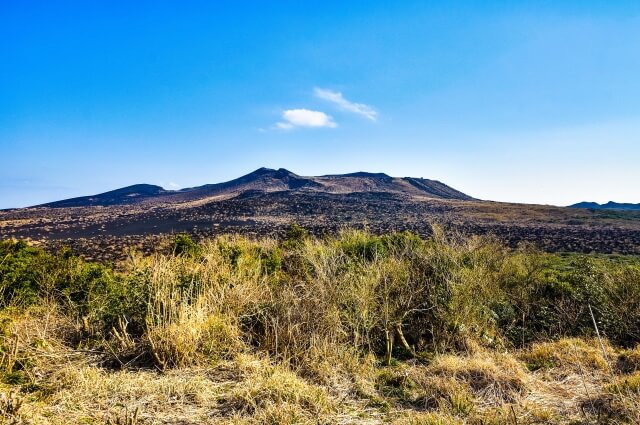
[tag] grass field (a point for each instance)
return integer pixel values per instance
(354, 328)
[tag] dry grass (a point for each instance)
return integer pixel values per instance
(570, 353)
(629, 360)
(464, 386)
(222, 340)
(427, 418)
(493, 378)
(66, 385)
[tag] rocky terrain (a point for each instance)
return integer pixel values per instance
(266, 202)
(267, 180)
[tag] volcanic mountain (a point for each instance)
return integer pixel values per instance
(267, 201)
(268, 180)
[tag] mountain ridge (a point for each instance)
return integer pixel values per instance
(611, 205)
(121, 195)
(270, 180)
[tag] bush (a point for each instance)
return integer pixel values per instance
(184, 245)
(23, 270)
(395, 295)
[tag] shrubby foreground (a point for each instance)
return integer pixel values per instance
(347, 329)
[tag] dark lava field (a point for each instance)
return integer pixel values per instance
(108, 233)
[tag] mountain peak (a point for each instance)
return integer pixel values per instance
(273, 180)
(264, 171)
(367, 175)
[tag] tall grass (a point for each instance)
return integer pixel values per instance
(392, 296)
(381, 321)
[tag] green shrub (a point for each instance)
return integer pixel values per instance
(184, 245)
(22, 272)
(391, 295)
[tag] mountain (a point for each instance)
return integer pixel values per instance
(268, 180)
(122, 196)
(608, 206)
(266, 201)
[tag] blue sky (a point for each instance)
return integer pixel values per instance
(534, 102)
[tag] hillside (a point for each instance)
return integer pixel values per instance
(270, 180)
(122, 196)
(266, 201)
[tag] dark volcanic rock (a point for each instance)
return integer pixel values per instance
(268, 180)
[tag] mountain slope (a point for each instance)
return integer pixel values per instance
(262, 179)
(270, 180)
(122, 196)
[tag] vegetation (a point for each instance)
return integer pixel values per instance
(352, 328)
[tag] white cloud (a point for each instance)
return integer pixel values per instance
(304, 118)
(337, 98)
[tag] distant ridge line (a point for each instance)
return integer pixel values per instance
(270, 180)
(608, 206)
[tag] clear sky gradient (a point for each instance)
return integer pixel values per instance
(535, 101)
